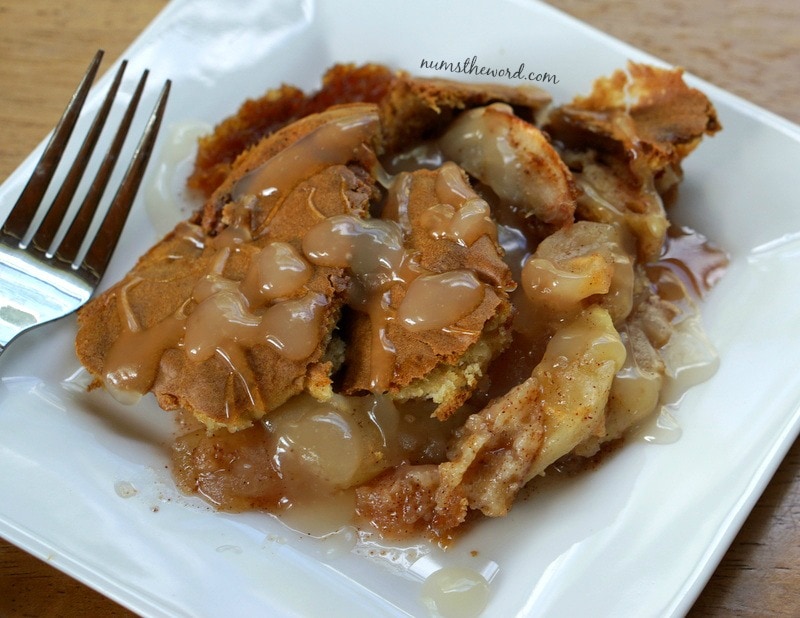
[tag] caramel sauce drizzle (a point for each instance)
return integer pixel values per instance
(336, 141)
(223, 316)
(374, 252)
(697, 262)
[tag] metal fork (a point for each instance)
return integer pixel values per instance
(44, 277)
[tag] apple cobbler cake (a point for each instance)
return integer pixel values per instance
(408, 297)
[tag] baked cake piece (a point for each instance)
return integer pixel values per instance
(452, 240)
(625, 142)
(225, 317)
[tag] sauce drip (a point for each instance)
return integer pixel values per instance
(335, 141)
(461, 216)
(693, 258)
(132, 362)
(278, 270)
(438, 301)
(455, 592)
(370, 248)
(373, 251)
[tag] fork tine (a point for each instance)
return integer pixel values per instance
(49, 226)
(99, 253)
(18, 221)
(73, 239)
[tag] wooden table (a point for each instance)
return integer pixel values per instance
(750, 48)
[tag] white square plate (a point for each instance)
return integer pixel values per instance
(639, 536)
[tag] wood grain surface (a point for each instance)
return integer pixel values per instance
(751, 48)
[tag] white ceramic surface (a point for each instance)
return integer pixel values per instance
(638, 537)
